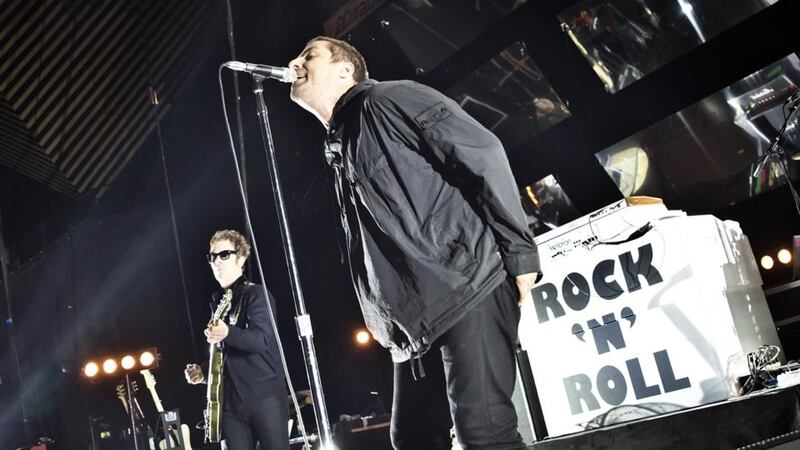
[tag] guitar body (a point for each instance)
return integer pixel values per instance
(216, 364)
(214, 395)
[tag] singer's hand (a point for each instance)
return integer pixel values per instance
(525, 283)
(193, 374)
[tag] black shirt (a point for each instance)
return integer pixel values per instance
(253, 368)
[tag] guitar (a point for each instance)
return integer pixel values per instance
(134, 408)
(150, 382)
(122, 395)
(216, 361)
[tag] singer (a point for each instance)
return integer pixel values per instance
(438, 245)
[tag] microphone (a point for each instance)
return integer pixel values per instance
(283, 74)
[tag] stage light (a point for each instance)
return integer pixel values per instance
(362, 337)
(128, 362)
(91, 369)
(113, 364)
(628, 168)
(109, 366)
(767, 262)
(147, 358)
(785, 256)
(532, 195)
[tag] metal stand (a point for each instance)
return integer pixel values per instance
(131, 411)
(302, 318)
(92, 432)
(12, 333)
(775, 151)
(171, 428)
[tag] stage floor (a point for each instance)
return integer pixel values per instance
(767, 419)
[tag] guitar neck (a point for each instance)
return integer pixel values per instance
(150, 381)
(156, 400)
(124, 403)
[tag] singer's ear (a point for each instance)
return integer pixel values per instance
(347, 70)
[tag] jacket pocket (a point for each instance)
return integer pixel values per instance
(436, 240)
(451, 251)
(386, 201)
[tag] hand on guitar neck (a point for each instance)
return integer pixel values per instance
(217, 329)
(216, 332)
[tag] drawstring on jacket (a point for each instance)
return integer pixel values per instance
(417, 360)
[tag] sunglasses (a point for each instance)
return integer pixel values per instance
(223, 255)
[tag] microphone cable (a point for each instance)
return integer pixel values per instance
(249, 227)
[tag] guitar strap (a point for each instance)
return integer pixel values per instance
(233, 317)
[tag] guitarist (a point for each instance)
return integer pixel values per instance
(254, 401)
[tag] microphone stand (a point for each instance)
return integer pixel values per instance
(775, 151)
(305, 333)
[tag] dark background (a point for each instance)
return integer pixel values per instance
(91, 276)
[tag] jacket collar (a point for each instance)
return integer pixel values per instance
(236, 287)
(345, 99)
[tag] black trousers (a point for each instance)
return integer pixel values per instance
(469, 379)
(264, 421)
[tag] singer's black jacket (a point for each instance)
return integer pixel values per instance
(253, 368)
(430, 210)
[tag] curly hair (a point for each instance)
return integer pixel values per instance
(234, 237)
